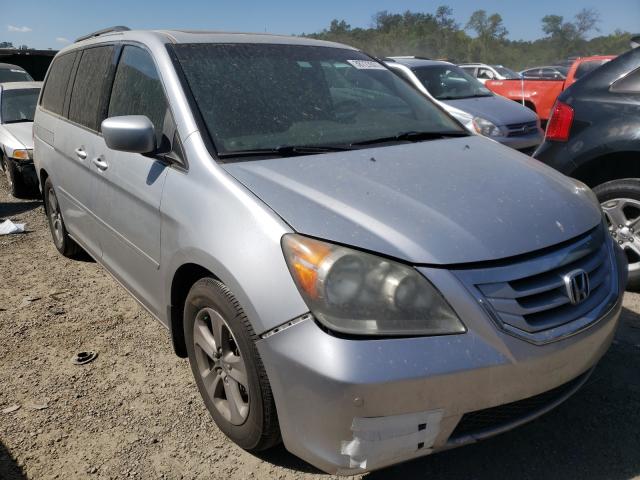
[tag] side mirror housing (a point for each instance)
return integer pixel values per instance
(129, 133)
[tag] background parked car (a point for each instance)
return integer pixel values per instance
(13, 73)
(491, 115)
(17, 107)
(540, 94)
(484, 72)
(594, 135)
(555, 72)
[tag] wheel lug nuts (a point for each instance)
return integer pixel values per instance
(620, 242)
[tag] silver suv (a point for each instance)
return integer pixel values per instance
(346, 268)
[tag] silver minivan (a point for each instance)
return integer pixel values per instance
(346, 268)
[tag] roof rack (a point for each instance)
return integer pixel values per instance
(117, 28)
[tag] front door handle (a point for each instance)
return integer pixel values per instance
(81, 154)
(100, 163)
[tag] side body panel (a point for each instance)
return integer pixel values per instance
(209, 219)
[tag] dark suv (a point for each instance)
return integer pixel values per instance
(593, 135)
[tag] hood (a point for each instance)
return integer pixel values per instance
(498, 110)
(21, 132)
(439, 202)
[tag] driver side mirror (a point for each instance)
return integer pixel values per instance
(129, 133)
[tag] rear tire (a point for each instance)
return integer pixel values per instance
(61, 239)
(620, 201)
(227, 368)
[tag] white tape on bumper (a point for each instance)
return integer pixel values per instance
(377, 440)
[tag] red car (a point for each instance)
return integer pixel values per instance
(540, 94)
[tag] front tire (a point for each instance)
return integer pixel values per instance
(620, 202)
(61, 239)
(227, 367)
(14, 179)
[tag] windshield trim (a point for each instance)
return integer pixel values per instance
(222, 156)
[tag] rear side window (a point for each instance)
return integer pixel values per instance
(137, 89)
(586, 67)
(55, 88)
(89, 87)
(628, 84)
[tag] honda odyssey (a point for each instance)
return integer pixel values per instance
(347, 269)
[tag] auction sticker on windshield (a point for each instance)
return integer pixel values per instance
(366, 65)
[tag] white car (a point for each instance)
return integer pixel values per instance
(17, 106)
(463, 117)
(484, 72)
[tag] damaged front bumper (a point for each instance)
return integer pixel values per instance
(348, 406)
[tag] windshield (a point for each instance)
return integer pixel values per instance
(271, 96)
(14, 75)
(448, 82)
(507, 73)
(19, 105)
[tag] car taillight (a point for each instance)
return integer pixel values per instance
(560, 122)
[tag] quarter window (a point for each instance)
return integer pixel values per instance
(137, 89)
(55, 88)
(89, 88)
(628, 84)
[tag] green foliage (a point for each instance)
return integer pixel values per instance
(483, 38)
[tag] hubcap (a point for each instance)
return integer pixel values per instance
(55, 217)
(623, 219)
(220, 366)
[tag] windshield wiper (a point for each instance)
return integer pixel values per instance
(18, 120)
(284, 151)
(413, 137)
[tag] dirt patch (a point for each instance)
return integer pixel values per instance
(135, 412)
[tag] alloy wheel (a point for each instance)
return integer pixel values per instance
(55, 217)
(623, 219)
(221, 366)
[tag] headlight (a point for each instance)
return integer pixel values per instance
(358, 293)
(485, 127)
(22, 154)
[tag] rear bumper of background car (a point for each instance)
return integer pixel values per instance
(349, 406)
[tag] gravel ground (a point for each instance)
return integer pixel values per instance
(135, 411)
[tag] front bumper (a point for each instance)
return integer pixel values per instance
(349, 406)
(527, 143)
(26, 170)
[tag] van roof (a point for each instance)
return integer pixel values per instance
(196, 36)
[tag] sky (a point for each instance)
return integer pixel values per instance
(54, 23)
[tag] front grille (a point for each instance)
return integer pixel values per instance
(528, 298)
(495, 418)
(521, 129)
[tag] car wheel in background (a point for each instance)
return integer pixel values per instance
(620, 201)
(227, 367)
(16, 185)
(63, 242)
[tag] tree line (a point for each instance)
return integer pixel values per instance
(484, 38)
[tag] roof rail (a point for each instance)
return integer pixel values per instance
(117, 28)
(408, 57)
